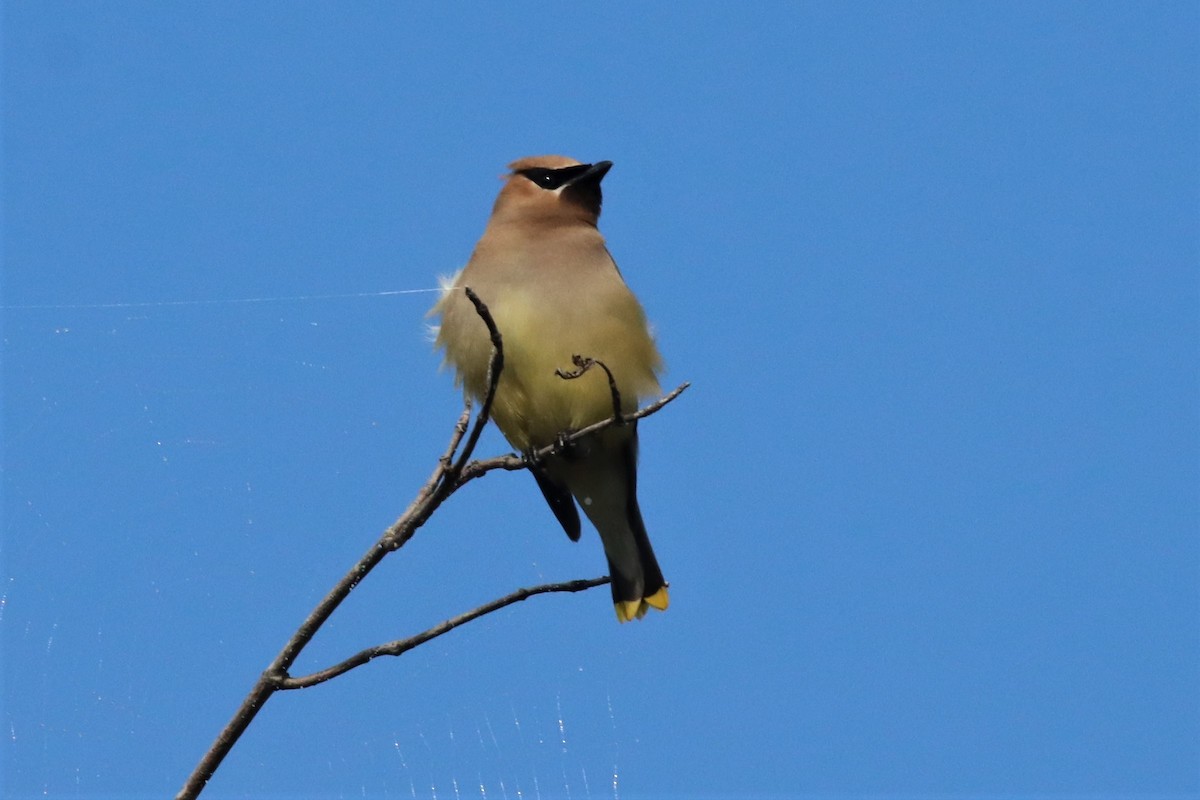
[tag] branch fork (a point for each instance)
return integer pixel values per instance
(448, 476)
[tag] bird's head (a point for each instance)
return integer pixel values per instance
(551, 189)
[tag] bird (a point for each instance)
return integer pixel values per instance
(544, 272)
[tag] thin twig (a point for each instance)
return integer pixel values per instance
(582, 365)
(495, 365)
(401, 646)
(514, 463)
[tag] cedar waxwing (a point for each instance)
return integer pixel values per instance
(554, 292)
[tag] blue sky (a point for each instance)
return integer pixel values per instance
(929, 510)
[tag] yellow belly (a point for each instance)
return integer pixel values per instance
(533, 404)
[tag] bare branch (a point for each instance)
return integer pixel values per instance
(268, 681)
(514, 463)
(447, 477)
(495, 365)
(440, 485)
(401, 646)
(460, 428)
(431, 485)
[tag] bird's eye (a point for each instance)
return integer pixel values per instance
(545, 178)
(553, 179)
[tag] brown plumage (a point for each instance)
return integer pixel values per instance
(554, 291)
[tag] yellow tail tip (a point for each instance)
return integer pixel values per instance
(627, 609)
(659, 599)
(636, 609)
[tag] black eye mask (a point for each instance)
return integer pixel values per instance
(552, 179)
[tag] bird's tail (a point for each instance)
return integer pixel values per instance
(635, 594)
(601, 474)
(637, 581)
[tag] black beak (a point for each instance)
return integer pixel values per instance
(593, 174)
